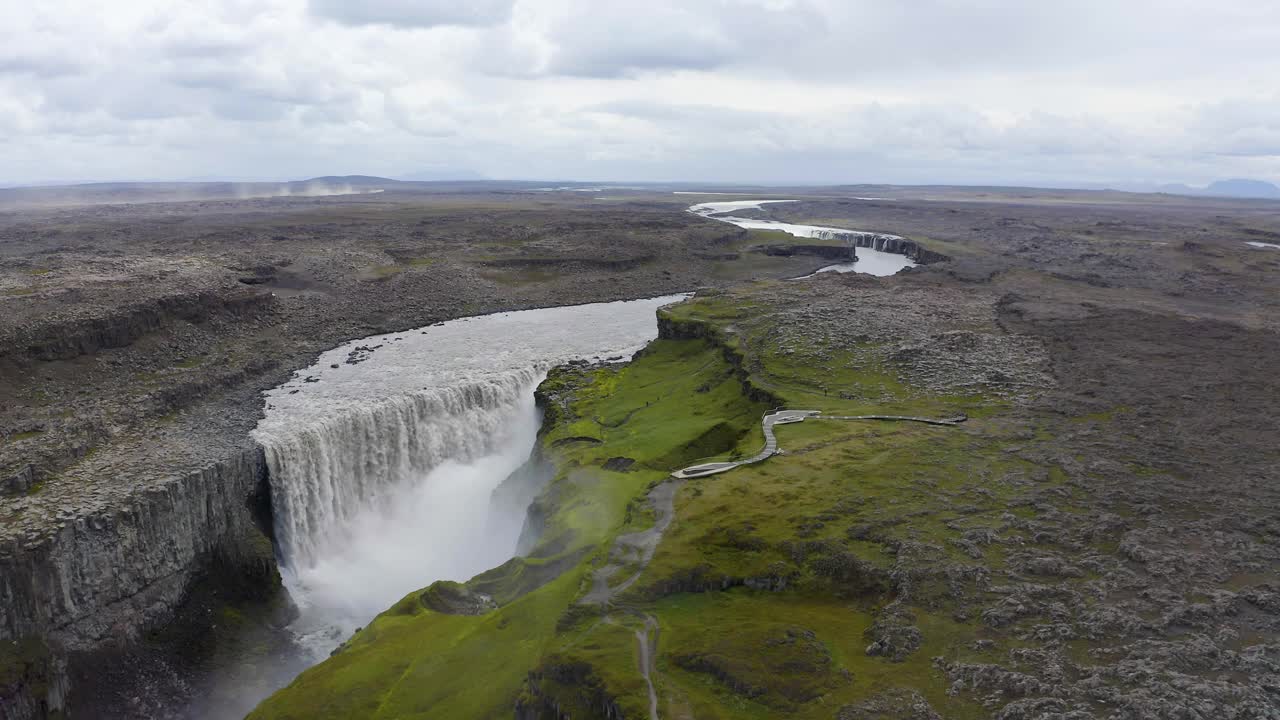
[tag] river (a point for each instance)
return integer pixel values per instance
(870, 262)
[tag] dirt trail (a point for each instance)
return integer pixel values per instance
(634, 549)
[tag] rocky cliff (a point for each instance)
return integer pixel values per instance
(104, 578)
(69, 333)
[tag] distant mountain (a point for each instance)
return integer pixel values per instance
(350, 180)
(1243, 188)
(1237, 188)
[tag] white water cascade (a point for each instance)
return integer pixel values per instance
(325, 475)
(385, 454)
(870, 261)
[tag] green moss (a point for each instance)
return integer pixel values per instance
(424, 664)
(382, 272)
(768, 664)
(522, 276)
(24, 435)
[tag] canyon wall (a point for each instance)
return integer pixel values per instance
(103, 578)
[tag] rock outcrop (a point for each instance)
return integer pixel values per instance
(830, 252)
(105, 578)
(85, 331)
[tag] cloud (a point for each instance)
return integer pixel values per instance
(40, 66)
(413, 13)
(603, 39)
(746, 90)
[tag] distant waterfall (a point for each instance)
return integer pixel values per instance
(888, 254)
(325, 473)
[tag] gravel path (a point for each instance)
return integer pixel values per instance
(635, 549)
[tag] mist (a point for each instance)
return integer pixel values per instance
(442, 525)
(249, 191)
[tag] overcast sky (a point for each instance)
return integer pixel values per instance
(948, 91)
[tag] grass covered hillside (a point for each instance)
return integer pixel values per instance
(874, 569)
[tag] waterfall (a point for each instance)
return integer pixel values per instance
(324, 474)
(888, 254)
(384, 456)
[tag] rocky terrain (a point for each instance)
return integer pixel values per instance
(1098, 541)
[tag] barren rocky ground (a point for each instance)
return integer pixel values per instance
(134, 338)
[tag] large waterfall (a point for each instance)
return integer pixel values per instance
(324, 475)
(385, 454)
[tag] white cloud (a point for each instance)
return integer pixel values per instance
(413, 13)
(752, 90)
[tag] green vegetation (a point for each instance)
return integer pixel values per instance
(24, 435)
(382, 272)
(771, 582)
(522, 276)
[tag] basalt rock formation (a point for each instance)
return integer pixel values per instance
(105, 578)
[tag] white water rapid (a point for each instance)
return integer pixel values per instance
(385, 454)
(870, 261)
